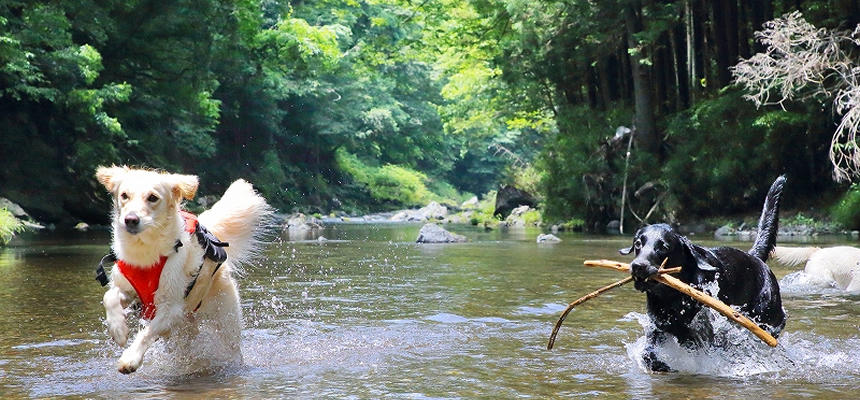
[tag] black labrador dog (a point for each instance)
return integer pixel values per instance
(743, 280)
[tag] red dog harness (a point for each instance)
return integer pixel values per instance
(145, 280)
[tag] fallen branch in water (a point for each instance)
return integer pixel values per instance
(696, 294)
(598, 292)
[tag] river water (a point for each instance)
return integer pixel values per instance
(370, 314)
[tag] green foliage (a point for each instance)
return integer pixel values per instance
(721, 142)
(485, 212)
(9, 226)
(582, 174)
(573, 224)
(847, 211)
(332, 104)
(532, 217)
(400, 185)
(395, 184)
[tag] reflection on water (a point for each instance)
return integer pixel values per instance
(369, 314)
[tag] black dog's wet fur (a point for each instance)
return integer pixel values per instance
(744, 280)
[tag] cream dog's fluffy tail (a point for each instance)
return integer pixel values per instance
(239, 218)
(793, 256)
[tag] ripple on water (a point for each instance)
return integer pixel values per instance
(544, 309)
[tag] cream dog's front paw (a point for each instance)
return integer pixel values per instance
(119, 332)
(130, 361)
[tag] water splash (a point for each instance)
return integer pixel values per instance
(736, 353)
(801, 283)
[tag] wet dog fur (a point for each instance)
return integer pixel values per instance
(146, 224)
(743, 280)
(838, 266)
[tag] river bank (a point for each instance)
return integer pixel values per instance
(794, 225)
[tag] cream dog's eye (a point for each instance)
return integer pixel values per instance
(124, 196)
(152, 198)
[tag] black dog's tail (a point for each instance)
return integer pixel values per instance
(769, 221)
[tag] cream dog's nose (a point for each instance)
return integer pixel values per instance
(132, 220)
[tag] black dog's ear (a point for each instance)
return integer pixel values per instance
(698, 255)
(630, 249)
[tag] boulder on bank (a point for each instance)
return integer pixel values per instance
(548, 238)
(517, 218)
(432, 211)
(301, 227)
(13, 208)
(469, 204)
(432, 233)
(613, 227)
(18, 212)
(508, 198)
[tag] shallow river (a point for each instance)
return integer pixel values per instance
(370, 314)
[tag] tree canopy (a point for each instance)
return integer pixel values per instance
(373, 104)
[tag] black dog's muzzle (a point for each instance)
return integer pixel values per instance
(641, 272)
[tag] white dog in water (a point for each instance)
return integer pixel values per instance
(150, 232)
(839, 265)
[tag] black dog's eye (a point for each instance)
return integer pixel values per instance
(124, 196)
(152, 198)
(637, 244)
(661, 246)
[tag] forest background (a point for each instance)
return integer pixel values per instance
(369, 105)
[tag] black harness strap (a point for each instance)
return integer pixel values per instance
(101, 276)
(213, 249)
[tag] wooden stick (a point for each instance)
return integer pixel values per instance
(697, 295)
(592, 295)
(622, 267)
(579, 301)
(717, 305)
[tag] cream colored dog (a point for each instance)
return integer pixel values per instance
(839, 265)
(150, 232)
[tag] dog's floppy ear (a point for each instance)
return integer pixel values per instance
(111, 176)
(184, 186)
(630, 249)
(699, 256)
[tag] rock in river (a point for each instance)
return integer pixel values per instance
(548, 238)
(432, 233)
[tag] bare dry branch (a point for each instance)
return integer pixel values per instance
(803, 61)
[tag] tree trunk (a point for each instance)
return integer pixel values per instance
(744, 33)
(721, 43)
(659, 75)
(603, 82)
(676, 37)
(646, 134)
(731, 31)
(758, 10)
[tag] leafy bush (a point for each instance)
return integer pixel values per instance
(400, 185)
(396, 184)
(9, 226)
(573, 224)
(484, 214)
(532, 217)
(847, 211)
